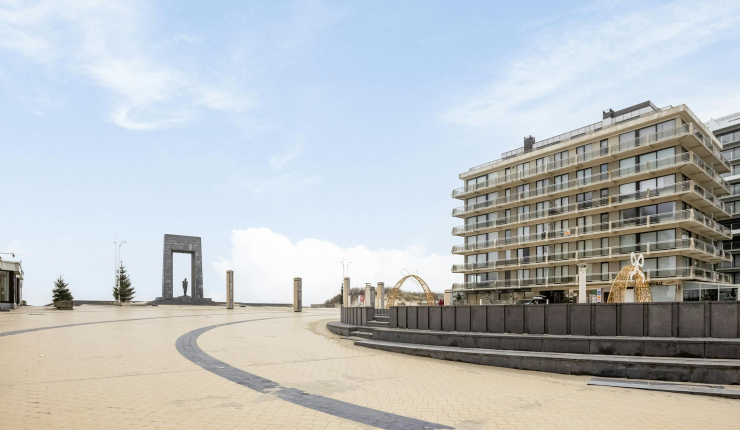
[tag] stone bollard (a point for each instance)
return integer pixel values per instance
(297, 295)
(345, 299)
(448, 297)
(381, 295)
(369, 295)
(229, 289)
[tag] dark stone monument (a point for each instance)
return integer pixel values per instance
(185, 245)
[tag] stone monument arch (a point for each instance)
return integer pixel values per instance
(185, 245)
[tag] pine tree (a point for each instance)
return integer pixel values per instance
(123, 282)
(61, 292)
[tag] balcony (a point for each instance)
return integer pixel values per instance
(693, 140)
(688, 191)
(686, 163)
(689, 247)
(689, 219)
(681, 273)
(730, 266)
(582, 131)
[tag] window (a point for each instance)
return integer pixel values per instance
(560, 159)
(584, 149)
(542, 183)
(604, 192)
(604, 168)
(730, 138)
(507, 213)
(584, 176)
(584, 200)
(476, 219)
(521, 210)
(541, 206)
(604, 147)
(4, 287)
(561, 202)
(604, 271)
(522, 231)
(522, 189)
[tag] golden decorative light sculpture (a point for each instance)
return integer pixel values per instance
(619, 286)
(394, 292)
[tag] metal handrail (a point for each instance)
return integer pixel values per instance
(594, 154)
(680, 273)
(598, 253)
(680, 187)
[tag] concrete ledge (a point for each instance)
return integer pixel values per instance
(726, 372)
(342, 329)
(705, 348)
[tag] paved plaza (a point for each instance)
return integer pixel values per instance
(270, 368)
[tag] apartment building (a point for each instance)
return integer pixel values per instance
(643, 179)
(727, 131)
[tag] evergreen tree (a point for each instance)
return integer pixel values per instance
(61, 292)
(123, 283)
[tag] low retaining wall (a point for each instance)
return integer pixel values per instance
(357, 315)
(675, 319)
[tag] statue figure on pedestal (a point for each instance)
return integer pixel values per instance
(185, 287)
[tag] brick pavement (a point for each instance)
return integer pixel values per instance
(130, 375)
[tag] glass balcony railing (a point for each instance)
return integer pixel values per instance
(707, 250)
(675, 189)
(599, 178)
(688, 273)
(595, 154)
(658, 220)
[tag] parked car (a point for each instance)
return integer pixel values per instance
(536, 300)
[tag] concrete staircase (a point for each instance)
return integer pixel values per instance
(702, 360)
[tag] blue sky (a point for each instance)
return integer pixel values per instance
(291, 134)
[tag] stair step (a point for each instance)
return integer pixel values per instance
(362, 334)
(381, 317)
(382, 324)
(708, 371)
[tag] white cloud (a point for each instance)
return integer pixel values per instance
(577, 61)
(265, 263)
(104, 40)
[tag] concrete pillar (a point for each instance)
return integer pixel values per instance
(448, 297)
(345, 299)
(381, 295)
(369, 295)
(229, 289)
(297, 295)
(582, 283)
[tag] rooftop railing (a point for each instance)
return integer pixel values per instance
(627, 145)
(678, 188)
(647, 248)
(554, 165)
(582, 131)
(689, 273)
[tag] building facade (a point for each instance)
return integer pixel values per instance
(727, 131)
(643, 179)
(11, 284)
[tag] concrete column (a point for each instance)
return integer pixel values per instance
(369, 295)
(381, 295)
(229, 289)
(345, 299)
(297, 295)
(582, 283)
(448, 297)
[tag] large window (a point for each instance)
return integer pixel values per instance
(700, 292)
(652, 129)
(650, 156)
(4, 287)
(729, 137)
(660, 208)
(652, 184)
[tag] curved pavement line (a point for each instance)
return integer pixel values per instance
(187, 346)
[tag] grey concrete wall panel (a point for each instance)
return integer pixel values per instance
(605, 319)
(514, 319)
(423, 317)
(412, 317)
(580, 319)
(393, 317)
(462, 318)
(495, 322)
(631, 319)
(723, 321)
(448, 318)
(660, 319)
(435, 318)
(557, 319)
(186, 245)
(402, 318)
(478, 318)
(690, 319)
(534, 319)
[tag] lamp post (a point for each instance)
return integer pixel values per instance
(117, 258)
